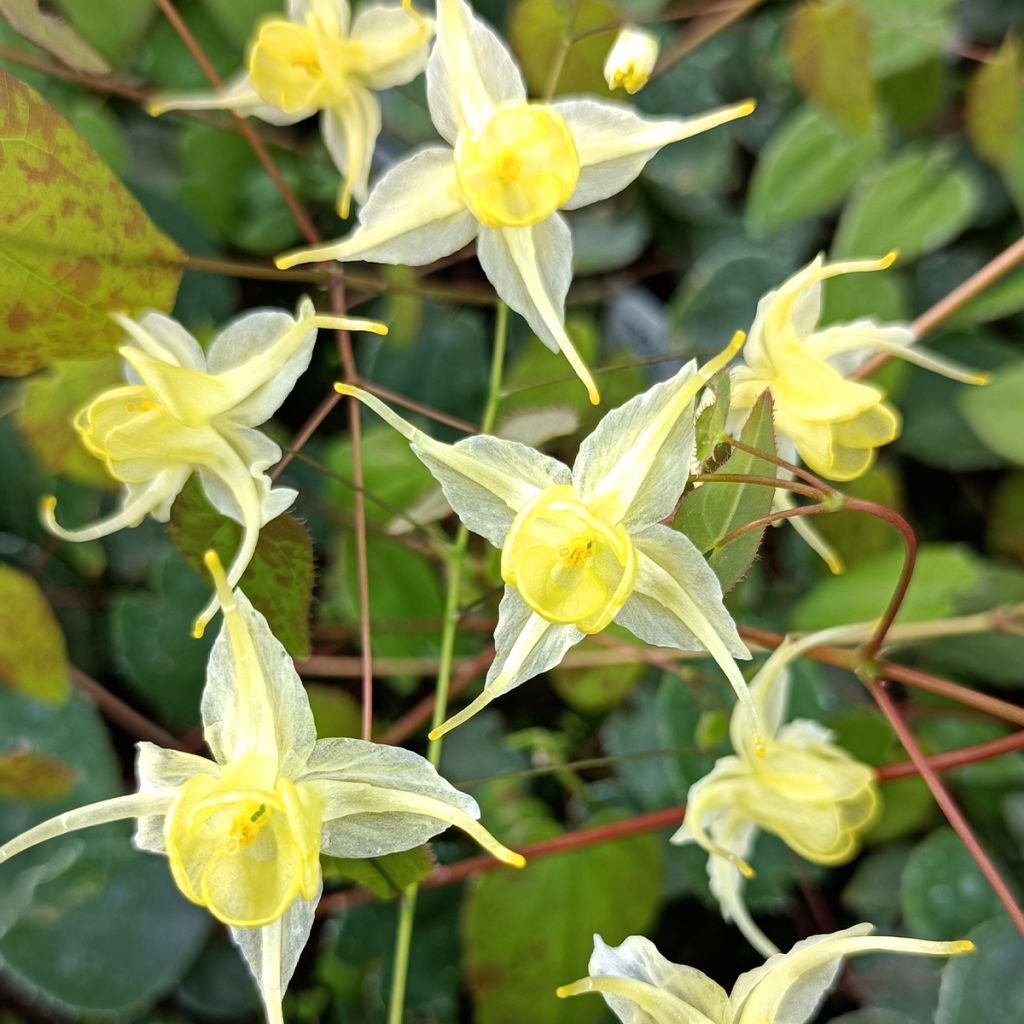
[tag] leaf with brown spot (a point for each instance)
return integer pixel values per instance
(27, 775)
(51, 401)
(75, 245)
(53, 35)
(33, 658)
(279, 580)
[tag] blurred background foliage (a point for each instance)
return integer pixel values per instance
(881, 124)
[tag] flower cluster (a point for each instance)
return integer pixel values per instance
(581, 547)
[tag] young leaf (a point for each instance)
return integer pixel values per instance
(714, 510)
(829, 51)
(33, 658)
(279, 580)
(53, 35)
(74, 243)
(386, 877)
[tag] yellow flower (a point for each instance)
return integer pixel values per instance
(835, 425)
(583, 548)
(184, 412)
(314, 60)
(243, 831)
(641, 987)
(802, 787)
(631, 60)
(509, 166)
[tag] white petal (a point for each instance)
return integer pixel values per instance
(531, 269)
(163, 338)
(614, 142)
(338, 10)
(396, 42)
(272, 951)
(253, 699)
(414, 215)
(485, 479)
(524, 646)
(350, 135)
(470, 71)
(238, 95)
(158, 768)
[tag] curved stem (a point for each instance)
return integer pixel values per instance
(407, 909)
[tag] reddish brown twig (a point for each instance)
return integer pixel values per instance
(955, 758)
(772, 517)
(949, 807)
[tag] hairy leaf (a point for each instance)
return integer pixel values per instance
(74, 243)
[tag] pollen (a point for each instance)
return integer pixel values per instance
(247, 825)
(509, 170)
(575, 554)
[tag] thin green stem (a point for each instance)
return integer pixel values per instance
(456, 561)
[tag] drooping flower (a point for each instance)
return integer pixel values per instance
(243, 831)
(641, 987)
(314, 60)
(835, 424)
(631, 59)
(802, 787)
(184, 412)
(583, 548)
(509, 166)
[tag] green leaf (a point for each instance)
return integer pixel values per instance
(52, 399)
(993, 103)
(996, 412)
(681, 716)
(108, 933)
(151, 635)
(711, 419)
(942, 891)
(713, 510)
(33, 658)
(76, 247)
(53, 35)
(907, 33)
(25, 775)
(607, 239)
(536, 29)
(854, 535)
(918, 201)
(279, 579)
(596, 688)
(386, 877)
(829, 51)
(943, 574)
(1006, 516)
(335, 712)
(528, 931)
(873, 894)
(988, 984)
(114, 27)
(806, 168)
(1001, 299)
(237, 19)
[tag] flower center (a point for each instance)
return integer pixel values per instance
(247, 825)
(289, 69)
(518, 167)
(569, 566)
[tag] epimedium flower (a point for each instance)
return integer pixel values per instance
(582, 548)
(319, 59)
(243, 831)
(631, 59)
(509, 166)
(641, 987)
(184, 412)
(800, 786)
(835, 424)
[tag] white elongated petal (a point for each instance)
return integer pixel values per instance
(272, 951)
(789, 987)
(338, 10)
(350, 135)
(485, 479)
(158, 768)
(641, 987)
(808, 534)
(400, 819)
(253, 700)
(395, 41)
(163, 338)
(470, 71)
(133, 805)
(531, 269)
(414, 215)
(155, 495)
(633, 467)
(614, 142)
(848, 345)
(677, 602)
(524, 646)
(238, 95)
